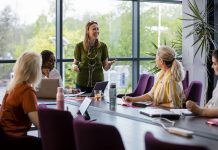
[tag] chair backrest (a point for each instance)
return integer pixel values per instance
(193, 92)
(185, 82)
(95, 136)
(144, 85)
(10, 142)
(152, 143)
(56, 129)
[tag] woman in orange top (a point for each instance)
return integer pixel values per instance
(19, 106)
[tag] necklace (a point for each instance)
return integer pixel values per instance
(91, 65)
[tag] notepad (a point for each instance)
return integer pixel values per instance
(185, 112)
(158, 112)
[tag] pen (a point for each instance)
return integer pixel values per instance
(125, 96)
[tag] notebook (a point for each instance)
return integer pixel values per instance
(158, 112)
(98, 86)
(185, 112)
(47, 88)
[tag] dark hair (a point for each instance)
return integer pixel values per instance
(46, 54)
(215, 54)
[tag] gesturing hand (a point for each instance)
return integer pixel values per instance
(76, 68)
(45, 72)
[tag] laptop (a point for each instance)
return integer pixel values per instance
(98, 86)
(47, 88)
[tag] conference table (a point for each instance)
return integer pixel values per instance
(132, 125)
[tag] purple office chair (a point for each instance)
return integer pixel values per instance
(11, 142)
(185, 82)
(56, 129)
(145, 84)
(152, 143)
(193, 92)
(95, 136)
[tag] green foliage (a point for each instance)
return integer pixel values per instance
(202, 30)
(176, 44)
(115, 31)
(7, 27)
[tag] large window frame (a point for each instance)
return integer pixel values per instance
(135, 59)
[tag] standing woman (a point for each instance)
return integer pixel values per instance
(90, 58)
(19, 106)
(167, 90)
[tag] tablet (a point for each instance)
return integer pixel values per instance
(85, 105)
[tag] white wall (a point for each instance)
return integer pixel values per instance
(196, 66)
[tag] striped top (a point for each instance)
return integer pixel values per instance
(166, 91)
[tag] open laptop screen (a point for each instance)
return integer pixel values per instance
(98, 86)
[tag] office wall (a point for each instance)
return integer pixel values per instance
(195, 65)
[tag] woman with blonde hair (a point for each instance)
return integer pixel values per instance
(167, 90)
(90, 56)
(19, 106)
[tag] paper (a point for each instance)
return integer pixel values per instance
(75, 98)
(213, 121)
(181, 111)
(73, 95)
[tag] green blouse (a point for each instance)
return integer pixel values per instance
(90, 66)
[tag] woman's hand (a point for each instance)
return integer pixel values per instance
(76, 68)
(107, 64)
(111, 62)
(127, 99)
(45, 72)
(193, 107)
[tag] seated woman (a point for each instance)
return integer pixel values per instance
(19, 106)
(48, 62)
(167, 90)
(211, 108)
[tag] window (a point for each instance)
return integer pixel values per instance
(159, 25)
(115, 26)
(24, 25)
(30, 25)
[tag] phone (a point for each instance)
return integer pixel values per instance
(142, 104)
(139, 104)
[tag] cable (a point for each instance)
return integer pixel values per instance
(162, 124)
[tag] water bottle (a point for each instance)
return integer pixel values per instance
(60, 98)
(112, 96)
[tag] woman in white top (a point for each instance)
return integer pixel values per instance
(48, 63)
(211, 108)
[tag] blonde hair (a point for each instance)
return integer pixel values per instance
(86, 41)
(168, 55)
(26, 69)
